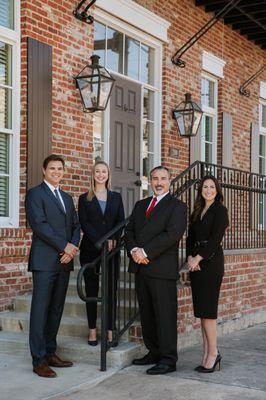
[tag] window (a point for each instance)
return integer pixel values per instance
(7, 13)
(98, 137)
(209, 119)
(124, 54)
(9, 113)
(148, 138)
(129, 56)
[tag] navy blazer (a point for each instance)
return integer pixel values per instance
(95, 224)
(158, 234)
(52, 228)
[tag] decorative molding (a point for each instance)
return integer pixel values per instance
(136, 15)
(213, 64)
(263, 90)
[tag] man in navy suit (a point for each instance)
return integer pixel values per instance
(155, 228)
(56, 233)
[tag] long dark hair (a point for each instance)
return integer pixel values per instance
(200, 201)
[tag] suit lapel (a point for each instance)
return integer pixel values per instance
(97, 206)
(162, 204)
(142, 213)
(52, 197)
(108, 202)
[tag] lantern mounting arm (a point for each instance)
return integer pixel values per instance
(242, 88)
(83, 15)
(176, 59)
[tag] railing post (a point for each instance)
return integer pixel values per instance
(104, 304)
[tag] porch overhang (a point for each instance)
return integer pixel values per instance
(248, 17)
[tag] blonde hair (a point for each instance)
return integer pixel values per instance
(91, 192)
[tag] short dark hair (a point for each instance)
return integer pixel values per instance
(158, 168)
(53, 157)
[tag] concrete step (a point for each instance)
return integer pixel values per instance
(73, 348)
(74, 307)
(13, 321)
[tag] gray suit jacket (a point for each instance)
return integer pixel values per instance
(52, 228)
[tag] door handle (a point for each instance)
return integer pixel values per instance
(138, 182)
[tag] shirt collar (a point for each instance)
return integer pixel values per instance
(51, 187)
(159, 198)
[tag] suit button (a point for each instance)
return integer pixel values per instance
(104, 222)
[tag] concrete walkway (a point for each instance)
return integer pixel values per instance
(242, 377)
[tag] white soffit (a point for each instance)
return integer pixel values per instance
(263, 89)
(213, 64)
(136, 15)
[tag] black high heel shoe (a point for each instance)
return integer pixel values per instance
(217, 363)
(92, 342)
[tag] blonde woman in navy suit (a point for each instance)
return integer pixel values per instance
(100, 210)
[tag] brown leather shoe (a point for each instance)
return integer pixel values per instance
(44, 371)
(56, 361)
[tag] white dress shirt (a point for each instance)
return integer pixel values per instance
(52, 188)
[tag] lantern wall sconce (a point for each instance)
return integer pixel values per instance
(95, 85)
(83, 15)
(188, 116)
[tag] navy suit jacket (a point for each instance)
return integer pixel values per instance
(52, 228)
(95, 224)
(158, 234)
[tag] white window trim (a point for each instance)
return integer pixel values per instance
(212, 112)
(115, 23)
(263, 90)
(213, 64)
(12, 37)
(135, 15)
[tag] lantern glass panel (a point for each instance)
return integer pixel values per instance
(196, 122)
(89, 91)
(105, 88)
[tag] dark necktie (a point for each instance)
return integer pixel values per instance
(59, 200)
(151, 207)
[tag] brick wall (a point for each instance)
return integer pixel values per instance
(242, 298)
(52, 22)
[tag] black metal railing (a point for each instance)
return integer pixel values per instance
(244, 196)
(116, 288)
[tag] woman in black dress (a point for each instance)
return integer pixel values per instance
(208, 223)
(100, 210)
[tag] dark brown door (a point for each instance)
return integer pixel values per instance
(125, 121)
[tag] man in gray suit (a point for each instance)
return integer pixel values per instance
(56, 233)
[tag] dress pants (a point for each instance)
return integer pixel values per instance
(158, 313)
(47, 305)
(91, 278)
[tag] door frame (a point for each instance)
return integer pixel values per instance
(115, 23)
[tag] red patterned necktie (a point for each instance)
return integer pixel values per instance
(151, 207)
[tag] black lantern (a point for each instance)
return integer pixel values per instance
(95, 84)
(188, 117)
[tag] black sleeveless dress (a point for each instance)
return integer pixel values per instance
(204, 238)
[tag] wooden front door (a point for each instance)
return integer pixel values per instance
(125, 123)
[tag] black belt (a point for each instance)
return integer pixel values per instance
(200, 243)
